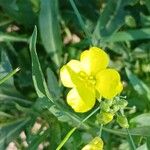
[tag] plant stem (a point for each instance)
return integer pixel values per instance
(131, 140)
(100, 131)
(79, 18)
(73, 129)
(9, 75)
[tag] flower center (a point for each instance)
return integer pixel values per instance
(89, 79)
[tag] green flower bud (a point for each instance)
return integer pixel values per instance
(104, 106)
(122, 103)
(122, 121)
(115, 108)
(105, 117)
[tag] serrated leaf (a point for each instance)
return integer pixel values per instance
(49, 29)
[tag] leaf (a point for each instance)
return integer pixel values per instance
(53, 84)
(148, 4)
(141, 120)
(20, 11)
(11, 131)
(37, 75)
(9, 75)
(142, 147)
(66, 138)
(138, 84)
(5, 67)
(37, 139)
(138, 131)
(112, 17)
(49, 29)
(9, 95)
(129, 35)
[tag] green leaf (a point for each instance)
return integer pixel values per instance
(141, 120)
(9, 75)
(38, 139)
(20, 11)
(11, 131)
(66, 138)
(37, 74)
(5, 67)
(112, 17)
(53, 84)
(138, 131)
(142, 147)
(138, 84)
(49, 29)
(129, 35)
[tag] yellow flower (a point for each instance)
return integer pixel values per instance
(95, 144)
(88, 78)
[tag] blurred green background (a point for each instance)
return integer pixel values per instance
(65, 29)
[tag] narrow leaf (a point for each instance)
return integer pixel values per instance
(49, 29)
(37, 75)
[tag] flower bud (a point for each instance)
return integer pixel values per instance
(122, 103)
(105, 117)
(104, 106)
(95, 144)
(115, 108)
(122, 121)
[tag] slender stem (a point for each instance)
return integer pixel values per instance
(9, 75)
(74, 129)
(6, 37)
(79, 18)
(100, 131)
(131, 140)
(91, 114)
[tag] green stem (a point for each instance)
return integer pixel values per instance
(6, 37)
(79, 18)
(9, 75)
(131, 140)
(100, 131)
(73, 129)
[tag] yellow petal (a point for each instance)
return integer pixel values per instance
(94, 60)
(108, 83)
(81, 99)
(95, 144)
(65, 74)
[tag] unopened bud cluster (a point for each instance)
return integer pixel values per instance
(110, 108)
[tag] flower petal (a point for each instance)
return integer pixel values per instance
(94, 60)
(81, 99)
(108, 83)
(95, 144)
(66, 75)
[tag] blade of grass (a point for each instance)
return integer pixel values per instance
(6, 37)
(73, 129)
(9, 75)
(131, 140)
(79, 18)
